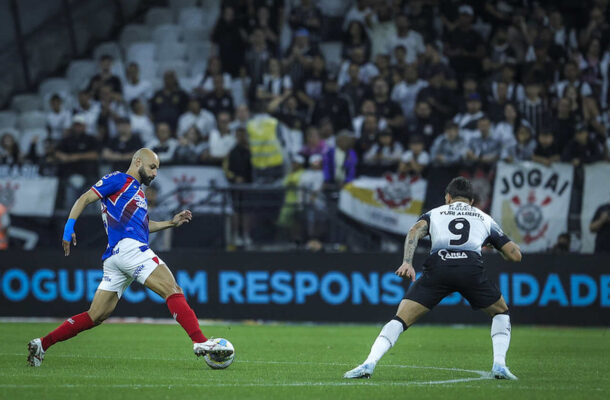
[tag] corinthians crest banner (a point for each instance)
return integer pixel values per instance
(392, 203)
(531, 202)
(193, 187)
(29, 197)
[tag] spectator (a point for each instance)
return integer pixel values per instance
(356, 37)
(332, 105)
(164, 144)
(600, 225)
(112, 109)
(468, 121)
(505, 131)
(257, 57)
(359, 12)
(238, 170)
(483, 148)
(340, 161)
(219, 99)
(311, 88)
(170, 102)
(222, 140)
(195, 116)
(524, 147)
(562, 124)
(405, 93)
(120, 149)
(463, 44)
(140, 121)
(268, 27)
(159, 240)
(242, 116)
(426, 125)
(533, 107)
(274, 84)
(88, 110)
(77, 152)
(497, 101)
(386, 152)
(299, 56)
(406, 37)
(313, 143)
(563, 244)
(105, 77)
(450, 148)
(438, 94)
(547, 151)
(416, 159)
(230, 39)
(192, 148)
(9, 150)
(214, 67)
(369, 133)
(582, 149)
(306, 16)
(386, 108)
(59, 119)
(354, 90)
(572, 79)
(134, 87)
(286, 110)
(366, 70)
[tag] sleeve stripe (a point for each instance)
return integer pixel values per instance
(96, 192)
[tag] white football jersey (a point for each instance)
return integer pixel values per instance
(461, 227)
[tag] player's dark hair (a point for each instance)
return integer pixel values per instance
(460, 187)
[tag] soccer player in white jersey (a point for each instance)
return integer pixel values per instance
(457, 231)
(127, 256)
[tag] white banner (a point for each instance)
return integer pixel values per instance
(190, 187)
(531, 202)
(29, 197)
(392, 203)
(596, 192)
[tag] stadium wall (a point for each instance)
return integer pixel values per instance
(543, 289)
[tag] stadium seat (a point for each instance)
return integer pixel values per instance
(191, 17)
(141, 52)
(26, 137)
(148, 69)
(197, 70)
(111, 48)
(171, 51)
(80, 72)
(68, 100)
(159, 16)
(178, 66)
(332, 54)
(134, 33)
(10, 130)
(157, 83)
(26, 102)
(177, 5)
(32, 120)
(198, 52)
(54, 85)
(8, 119)
(194, 35)
(167, 33)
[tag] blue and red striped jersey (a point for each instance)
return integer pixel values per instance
(124, 209)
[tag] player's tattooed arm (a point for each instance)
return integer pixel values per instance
(418, 231)
(511, 252)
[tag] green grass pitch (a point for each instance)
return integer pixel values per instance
(133, 361)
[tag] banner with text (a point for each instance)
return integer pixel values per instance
(29, 197)
(543, 289)
(392, 203)
(193, 187)
(531, 202)
(596, 193)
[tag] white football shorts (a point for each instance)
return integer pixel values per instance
(130, 260)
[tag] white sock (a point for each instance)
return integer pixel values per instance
(384, 342)
(500, 337)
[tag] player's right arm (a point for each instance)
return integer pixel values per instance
(418, 231)
(511, 252)
(77, 209)
(507, 248)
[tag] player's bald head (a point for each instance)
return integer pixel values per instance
(146, 156)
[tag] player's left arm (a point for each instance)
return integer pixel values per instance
(183, 217)
(508, 249)
(418, 231)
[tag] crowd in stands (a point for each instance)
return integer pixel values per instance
(419, 83)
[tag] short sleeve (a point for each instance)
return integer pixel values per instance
(108, 185)
(496, 237)
(425, 217)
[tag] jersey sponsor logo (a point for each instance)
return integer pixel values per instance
(138, 271)
(451, 255)
(99, 183)
(141, 201)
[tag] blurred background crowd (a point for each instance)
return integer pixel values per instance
(341, 88)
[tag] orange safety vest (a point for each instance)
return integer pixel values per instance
(3, 235)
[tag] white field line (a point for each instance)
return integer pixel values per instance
(482, 375)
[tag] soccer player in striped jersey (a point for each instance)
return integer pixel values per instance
(127, 256)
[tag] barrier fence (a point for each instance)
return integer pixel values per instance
(543, 289)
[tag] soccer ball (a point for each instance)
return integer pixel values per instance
(220, 360)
